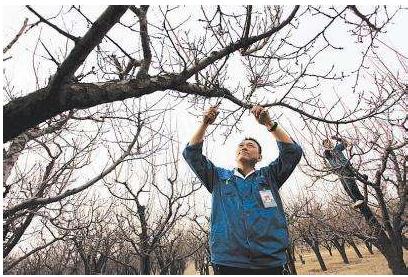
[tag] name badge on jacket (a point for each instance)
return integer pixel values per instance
(267, 198)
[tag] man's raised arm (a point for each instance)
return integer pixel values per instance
(202, 167)
(262, 116)
(209, 118)
(290, 152)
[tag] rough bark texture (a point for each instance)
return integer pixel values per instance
(340, 246)
(352, 243)
(319, 257)
(61, 95)
(369, 247)
(390, 247)
(28, 111)
(315, 247)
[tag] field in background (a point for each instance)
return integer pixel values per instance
(369, 264)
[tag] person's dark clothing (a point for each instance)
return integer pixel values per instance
(343, 168)
(350, 185)
(337, 161)
(227, 270)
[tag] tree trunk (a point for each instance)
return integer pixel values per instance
(342, 250)
(369, 247)
(87, 268)
(145, 265)
(84, 257)
(394, 255)
(391, 248)
(207, 268)
(397, 266)
(319, 257)
(291, 262)
(144, 247)
(351, 242)
(301, 259)
(100, 264)
(328, 247)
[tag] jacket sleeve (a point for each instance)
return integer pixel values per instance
(201, 166)
(289, 156)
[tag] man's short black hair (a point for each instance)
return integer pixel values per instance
(257, 143)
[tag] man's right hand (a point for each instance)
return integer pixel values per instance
(210, 115)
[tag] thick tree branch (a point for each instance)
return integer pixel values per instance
(144, 37)
(59, 96)
(85, 46)
(18, 114)
(363, 17)
(247, 26)
(8, 47)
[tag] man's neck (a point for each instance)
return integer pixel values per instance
(244, 169)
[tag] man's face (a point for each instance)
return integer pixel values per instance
(327, 144)
(248, 151)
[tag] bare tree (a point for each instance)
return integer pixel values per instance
(201, 234)
(174, 252)
(152, 205)
(379, 152)
(50, 191)
(261, 35)
(304, 227)
(97, 99)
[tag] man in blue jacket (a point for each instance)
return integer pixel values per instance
(249, 232)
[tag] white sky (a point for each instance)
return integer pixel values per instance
(20, 69)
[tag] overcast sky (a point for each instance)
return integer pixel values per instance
(20, 69)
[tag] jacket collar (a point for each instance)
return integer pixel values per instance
(237, 173)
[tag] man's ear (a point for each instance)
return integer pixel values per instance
(259, 158)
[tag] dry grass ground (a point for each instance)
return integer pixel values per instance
(369, 264)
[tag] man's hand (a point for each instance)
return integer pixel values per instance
(210, 115)
(262, 116)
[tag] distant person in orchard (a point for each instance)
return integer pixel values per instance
(341, 166)
(249, 233)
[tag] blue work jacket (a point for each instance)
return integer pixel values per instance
(243, 232)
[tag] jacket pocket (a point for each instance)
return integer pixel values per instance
(228, 190)
(227, 186)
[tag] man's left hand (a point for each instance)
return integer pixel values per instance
(261, 115)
